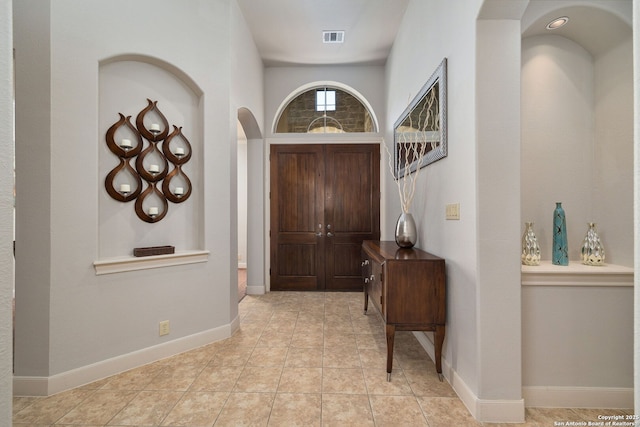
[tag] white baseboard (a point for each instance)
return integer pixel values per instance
(234, 325)
(30, 386)
(484, 410)
(46, 386)
(500, 410)
(512, 411)
(255, 290)
(578, 397)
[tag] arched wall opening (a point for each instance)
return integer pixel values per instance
(577, 148)
(251, 191)
(547, 367)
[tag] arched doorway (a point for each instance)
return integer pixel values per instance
(251, 204)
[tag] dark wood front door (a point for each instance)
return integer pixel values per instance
(325, 200)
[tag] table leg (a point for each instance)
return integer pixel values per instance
(391, 333)
(366, 299)
(439, 340)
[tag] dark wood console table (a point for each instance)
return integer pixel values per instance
(407, 287)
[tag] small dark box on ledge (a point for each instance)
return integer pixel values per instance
(154, 250)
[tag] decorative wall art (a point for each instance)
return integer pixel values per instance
(420, 134)
(159, 164)
(419, 138)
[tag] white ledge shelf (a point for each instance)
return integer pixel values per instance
(131, 263)
(576, 274)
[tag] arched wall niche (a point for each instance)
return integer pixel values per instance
(577, 136)
(594, 26)
(159, 63)
(125, 83)
(577, 148)
(318, 84)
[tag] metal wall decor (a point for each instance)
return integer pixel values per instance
(157, 165)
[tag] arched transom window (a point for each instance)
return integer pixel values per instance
(325, 110)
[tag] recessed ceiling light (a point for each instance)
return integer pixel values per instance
(557, 23)
(333, 36)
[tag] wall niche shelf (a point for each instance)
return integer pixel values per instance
(132, 263)
(576, 274)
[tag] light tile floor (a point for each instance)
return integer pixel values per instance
(298, 359)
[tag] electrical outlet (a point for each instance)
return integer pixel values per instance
(453, 211)
(164, 328)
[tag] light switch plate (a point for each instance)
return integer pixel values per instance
(453, 211)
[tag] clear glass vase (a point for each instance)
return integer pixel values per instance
(530, 248)
(592, 249)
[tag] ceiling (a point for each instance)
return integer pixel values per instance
(594, 28)
(289, 32)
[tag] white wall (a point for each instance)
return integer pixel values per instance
(577, 133)
(430, 31)
(636, 206)
(613, 152)
(481, 173)
(33, 211)
(89, 319)
(577, 337)
(6, 210)
(247, 85)
(247, 97)
(242, 201)
(498, 173)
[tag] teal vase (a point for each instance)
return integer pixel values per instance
(560, 253)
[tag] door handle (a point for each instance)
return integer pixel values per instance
(329, 233)
(319, 233)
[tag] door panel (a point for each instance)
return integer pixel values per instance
(352, 210)
(325, 200)
(297, 207)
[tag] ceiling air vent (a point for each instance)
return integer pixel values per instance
(333, 36)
